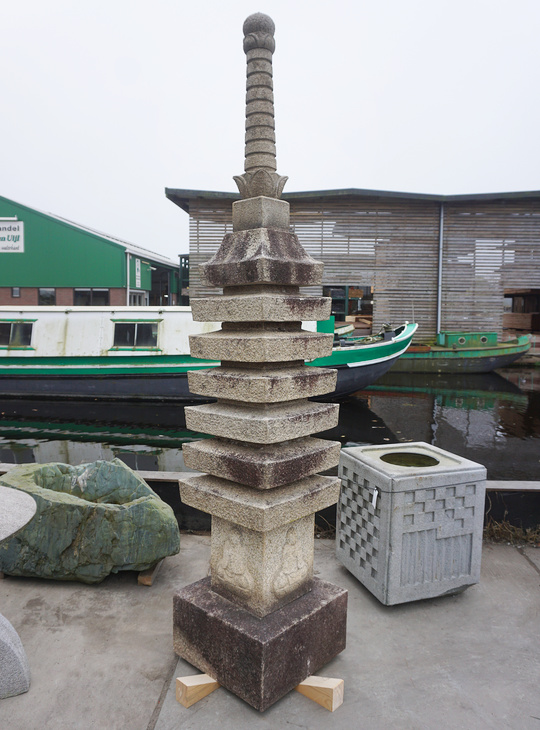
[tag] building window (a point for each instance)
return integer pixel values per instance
(91, 297)
(15, 334)
(138, 298)
(349, 300)
(15, 291)
(46, 297)
(135, 334)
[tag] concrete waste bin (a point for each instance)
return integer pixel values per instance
(410, 520)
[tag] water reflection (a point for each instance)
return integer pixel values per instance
(145, 436)
(491, 419)
(487, 417)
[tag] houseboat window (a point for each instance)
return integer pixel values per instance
(15, 291)
(91, 297)
(46, 297)
(15, 334)
(135, 334)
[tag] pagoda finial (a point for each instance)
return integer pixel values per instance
(260, 176)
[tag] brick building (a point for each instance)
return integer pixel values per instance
(47, 260)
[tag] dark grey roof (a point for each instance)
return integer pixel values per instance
(183, 198)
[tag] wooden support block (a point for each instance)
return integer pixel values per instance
(326, 691)
(190, 690)
(146, 577)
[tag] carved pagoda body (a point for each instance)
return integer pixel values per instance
(261, 624)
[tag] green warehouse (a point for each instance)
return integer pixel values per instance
(47, 260)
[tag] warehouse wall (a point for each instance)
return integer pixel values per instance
(392, 244)
(488, 247)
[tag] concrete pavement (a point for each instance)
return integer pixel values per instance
(101, 656)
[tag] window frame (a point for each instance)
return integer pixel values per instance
(11, 322)
(49, 289)
(138, 348)
(90, 291)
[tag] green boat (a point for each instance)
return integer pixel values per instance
(462, 352)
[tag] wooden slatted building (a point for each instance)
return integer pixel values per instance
(442, 261)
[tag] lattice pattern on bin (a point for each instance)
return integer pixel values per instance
(443, 506)
(359, 525)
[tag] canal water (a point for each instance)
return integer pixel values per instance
(493, 419)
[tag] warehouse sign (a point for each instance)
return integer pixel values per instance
(11, 236)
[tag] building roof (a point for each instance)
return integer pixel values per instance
(131, 248)
(183, 198)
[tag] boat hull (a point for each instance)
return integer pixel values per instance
(351, 379)
(101, 387)
(447, 363)
(155, 387)
(478, 360)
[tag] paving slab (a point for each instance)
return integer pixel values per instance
(101, 656)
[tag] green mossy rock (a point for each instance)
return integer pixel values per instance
(91, 520)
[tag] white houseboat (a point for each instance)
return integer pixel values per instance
(139, 353)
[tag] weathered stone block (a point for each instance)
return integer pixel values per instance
(261, 307)
(261, 255)
(260, 212)
(91, 520)
(260, 660)
(262, 386)
(268, 425)
(14, 669)
(262, 571)
(262, 467)
(255, 509)
(260, 346)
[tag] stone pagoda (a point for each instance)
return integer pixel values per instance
(261, 623)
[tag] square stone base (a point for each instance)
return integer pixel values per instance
(259, 660)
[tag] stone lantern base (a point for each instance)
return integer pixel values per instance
(259, 660)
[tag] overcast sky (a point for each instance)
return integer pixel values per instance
(106, 103)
